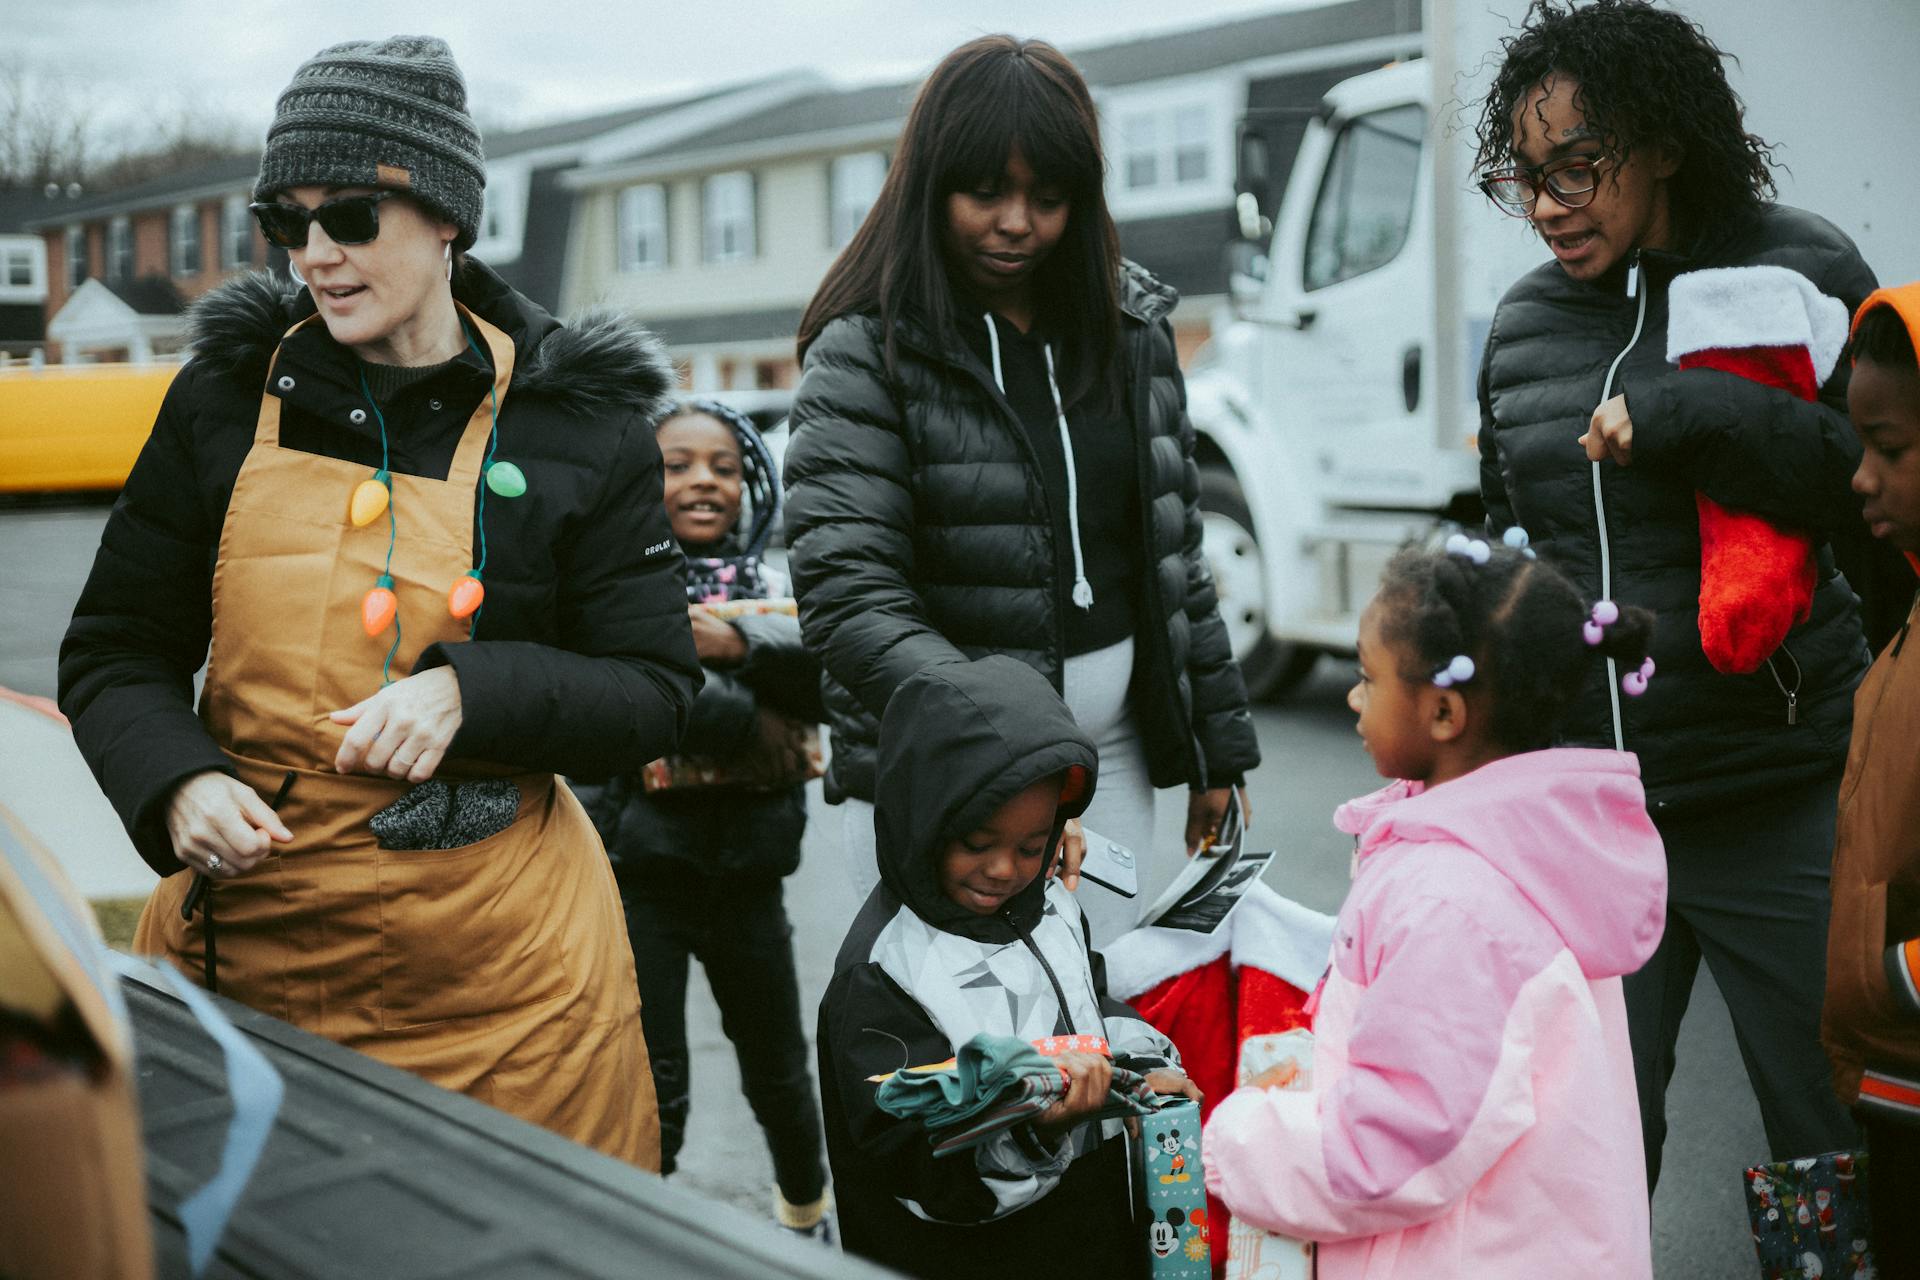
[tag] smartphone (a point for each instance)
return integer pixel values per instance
(1110, 864)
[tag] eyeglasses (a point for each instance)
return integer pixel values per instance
(347, 220)
(1572, 182)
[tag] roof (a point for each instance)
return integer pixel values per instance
(233, 172)
(18, 205)
(824, 111)
(1154, 56)
(561, 133)
(1162, 55)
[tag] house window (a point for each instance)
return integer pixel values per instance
(19, 268)
(1365, 206)
(642, 226)
(76, 256)
(1165, 149)
(727, 208)
(236, 233)
(853, 184)
(119, 250)
(185, 240)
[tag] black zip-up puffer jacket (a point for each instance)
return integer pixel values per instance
(919, 533)
(582, 661)
(1704, 739)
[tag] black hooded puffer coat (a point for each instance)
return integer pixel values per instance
(919, 975)
(918, 533)
(583, 661)
(1705, 740)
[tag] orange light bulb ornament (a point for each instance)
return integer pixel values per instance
(378, 606)
(370, 499)
(466, 594)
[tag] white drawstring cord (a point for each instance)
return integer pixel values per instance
(1082, 589)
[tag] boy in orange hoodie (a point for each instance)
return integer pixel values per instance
(1871, 1023)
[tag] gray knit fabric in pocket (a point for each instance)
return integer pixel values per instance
(439, 815)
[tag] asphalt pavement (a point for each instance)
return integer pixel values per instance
(1313, 761)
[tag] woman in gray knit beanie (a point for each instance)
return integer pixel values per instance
(365, 463)
(372, 142)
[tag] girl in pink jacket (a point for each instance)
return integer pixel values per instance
(1473, 1109)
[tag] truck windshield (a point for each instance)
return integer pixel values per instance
(1365, 205)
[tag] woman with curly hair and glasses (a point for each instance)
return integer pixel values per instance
(1612, 128)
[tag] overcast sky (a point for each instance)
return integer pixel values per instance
(527, 61)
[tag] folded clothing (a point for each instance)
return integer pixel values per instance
(440, 815)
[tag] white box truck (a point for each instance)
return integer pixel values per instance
(1336, 413)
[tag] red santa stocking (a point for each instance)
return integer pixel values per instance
(1770, 325)
(1208, 992)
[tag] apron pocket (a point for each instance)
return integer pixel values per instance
(471, 932)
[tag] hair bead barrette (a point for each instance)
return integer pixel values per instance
(1517, 538)
(1469, 548)
(1458, 670)
(1634, 683)
(1604, 615)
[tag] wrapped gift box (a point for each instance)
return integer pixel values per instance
(1168, 1148)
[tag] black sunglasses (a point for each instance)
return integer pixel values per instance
(347, 220)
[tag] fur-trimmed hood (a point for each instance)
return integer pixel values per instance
(602, 360)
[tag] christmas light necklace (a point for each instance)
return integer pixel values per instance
(380, 607)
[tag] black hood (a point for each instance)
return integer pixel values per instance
(598, 362)
(957, 742)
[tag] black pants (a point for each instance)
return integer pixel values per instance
(1747, 892)
(738, 930)
(1893, 1189)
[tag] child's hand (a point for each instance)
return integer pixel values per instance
(1169, 1080)
(714, 639)
(1280, 1075)
(1089, 1075)
(1073, 848)
(776, 750)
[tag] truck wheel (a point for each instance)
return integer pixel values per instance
(1272, 668)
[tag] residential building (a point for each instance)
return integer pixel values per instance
(717, 238)
(23, 277)
(123, 266)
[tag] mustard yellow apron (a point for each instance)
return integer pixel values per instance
(499, 969)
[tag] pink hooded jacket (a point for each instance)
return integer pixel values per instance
(1473, 1110)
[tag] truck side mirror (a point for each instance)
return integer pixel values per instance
(1246, 276)
(1255, 167)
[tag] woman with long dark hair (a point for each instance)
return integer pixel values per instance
(991, 454)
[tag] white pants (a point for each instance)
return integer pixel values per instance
(1123, 803)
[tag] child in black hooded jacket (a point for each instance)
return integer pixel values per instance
(980, 767)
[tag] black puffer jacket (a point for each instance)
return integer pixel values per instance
(728, 831)
(583, 662)
(1704, 739)
(919, 533)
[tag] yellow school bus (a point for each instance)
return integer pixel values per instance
(68, 428)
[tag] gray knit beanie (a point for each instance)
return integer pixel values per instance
(389, 113)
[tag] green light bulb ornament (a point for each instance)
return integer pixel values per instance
(506, 480)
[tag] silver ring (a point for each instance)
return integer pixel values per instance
(214, 862)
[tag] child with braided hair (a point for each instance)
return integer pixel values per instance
(1473, 1099)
